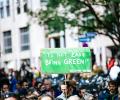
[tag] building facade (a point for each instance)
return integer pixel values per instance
(21, 38)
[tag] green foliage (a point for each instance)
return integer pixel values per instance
(56, 24)
(75, 5)
(116, 1)
(91, 20)
(73, 22)
(87, 14)
(109, 18)
(54, 3)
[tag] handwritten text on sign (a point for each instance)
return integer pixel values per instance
(65, 60)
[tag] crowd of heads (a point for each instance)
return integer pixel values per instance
(27, 87)
(38, 89)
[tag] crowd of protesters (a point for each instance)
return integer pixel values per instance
(24, 85)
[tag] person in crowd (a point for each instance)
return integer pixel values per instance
(66, 89)
(2, 75)
(73, 85)
(45, 97)
(110, 63)
(12, 96)
(63, 88)
(47, 87)
(24, 88)
(13, 80)
(114, 71)
(6, 93)
(111, 93)
(83, 94)
(5, 88)
(38, 87)
(74, 97)
(25, 72)
(18, 87)
(118, 92)
(32, 94)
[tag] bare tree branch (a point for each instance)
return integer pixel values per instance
(114, 40)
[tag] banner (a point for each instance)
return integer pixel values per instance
(65, 60)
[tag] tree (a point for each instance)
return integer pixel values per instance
(87, 15)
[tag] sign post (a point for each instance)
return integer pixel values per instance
(65, 60)
(91, 34)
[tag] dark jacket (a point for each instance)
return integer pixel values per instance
(105, 95)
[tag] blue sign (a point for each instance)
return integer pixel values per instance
(84, 39)
(91, 34)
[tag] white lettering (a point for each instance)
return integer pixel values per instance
(65, 61)
(62, 54)
(74, 61)
(48, 62)
(78, 54)
(55, 62)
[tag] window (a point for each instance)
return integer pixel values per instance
(24, 34)
(1, 10)
(18, 7)
(25, 6)
(57, 42)
(7, 42)
(8, 8)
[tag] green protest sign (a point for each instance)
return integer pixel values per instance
(65, 60)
